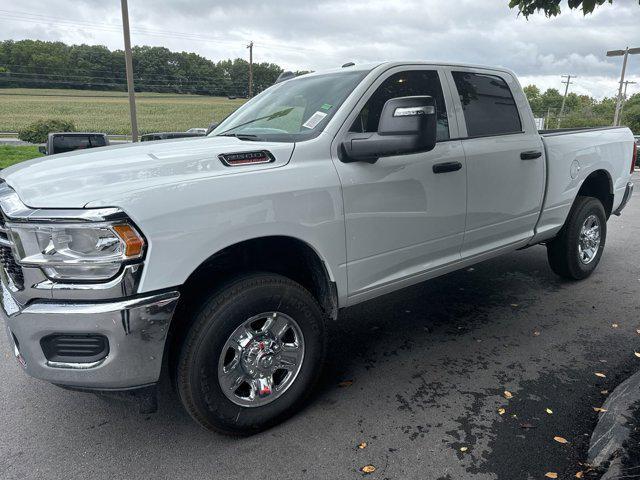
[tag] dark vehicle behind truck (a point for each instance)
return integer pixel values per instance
(68, 142)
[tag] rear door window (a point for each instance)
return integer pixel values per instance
(488, 105)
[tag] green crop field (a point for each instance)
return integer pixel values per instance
(10, 154)
(108, 112)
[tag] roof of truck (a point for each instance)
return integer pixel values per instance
(396, 63)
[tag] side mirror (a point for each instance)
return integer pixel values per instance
(407, 125)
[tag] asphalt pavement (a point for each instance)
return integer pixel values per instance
(430, 367)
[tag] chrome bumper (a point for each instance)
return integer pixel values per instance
(135, 327)
(625, 199)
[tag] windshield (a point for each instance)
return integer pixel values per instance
(294, 110)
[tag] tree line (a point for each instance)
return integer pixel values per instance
(39, 64)
(581, 110)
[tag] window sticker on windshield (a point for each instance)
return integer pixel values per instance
(326, 106)
(314, 120)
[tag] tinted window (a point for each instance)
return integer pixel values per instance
(489, 107)
(68, 143)
(403, 84)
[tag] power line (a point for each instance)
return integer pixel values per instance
(110, 27)
(145, 95)
(217, 76)
(85, 78)
(122, 85)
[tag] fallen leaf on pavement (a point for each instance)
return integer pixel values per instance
(536, 333)
(604, 392)
(501, 411)
(549, 411)
(638, 331)
(507, 394)
(601, 375)
(614, 325)
(560, 440)
(463, 449)
(551, 475)
(346, 383)
(579, 474)
(368, 469)
(598, 409)
(514, 305)
(362, 445)
(636, 354)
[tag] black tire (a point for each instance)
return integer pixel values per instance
(562, 251)
(196, 373)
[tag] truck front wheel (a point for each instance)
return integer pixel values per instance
(252, 355)
(577, 249)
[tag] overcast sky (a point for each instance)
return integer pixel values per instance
(325, 33)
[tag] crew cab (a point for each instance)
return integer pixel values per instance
(223, 258)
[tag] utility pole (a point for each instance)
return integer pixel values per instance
(624, 96)
(129, 66)
(547, 118)
(250, 47)
(621, 53)
(564, 99)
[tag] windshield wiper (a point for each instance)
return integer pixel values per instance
(240, 136)
(272, 116)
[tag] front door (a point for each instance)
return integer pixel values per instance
(402, 219)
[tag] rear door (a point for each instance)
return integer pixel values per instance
(504, 157)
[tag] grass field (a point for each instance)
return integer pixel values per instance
(10, 154)
(108, 112)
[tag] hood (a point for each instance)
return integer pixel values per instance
(72, 180)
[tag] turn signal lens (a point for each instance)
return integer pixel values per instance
(132, 240)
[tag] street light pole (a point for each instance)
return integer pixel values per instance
(129, 67)
(621, 53)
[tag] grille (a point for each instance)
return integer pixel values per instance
(80, 348)
(11, 267)
(7, 259)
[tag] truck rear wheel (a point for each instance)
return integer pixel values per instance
(253, 354)
(577, 249)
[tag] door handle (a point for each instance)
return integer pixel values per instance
(530, 155)
(447, 167)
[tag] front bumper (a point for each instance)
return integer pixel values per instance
(136, 328)
(625, 199)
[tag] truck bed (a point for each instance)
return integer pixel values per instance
(572, 154)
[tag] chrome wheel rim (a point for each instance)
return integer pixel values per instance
(589, 239)
(261, 359)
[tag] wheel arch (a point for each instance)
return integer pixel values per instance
(283, 255)
(598, 184)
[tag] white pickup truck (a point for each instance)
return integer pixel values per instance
(221, 259)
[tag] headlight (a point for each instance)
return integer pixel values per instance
(76, 251)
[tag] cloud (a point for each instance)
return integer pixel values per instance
(327, 33)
